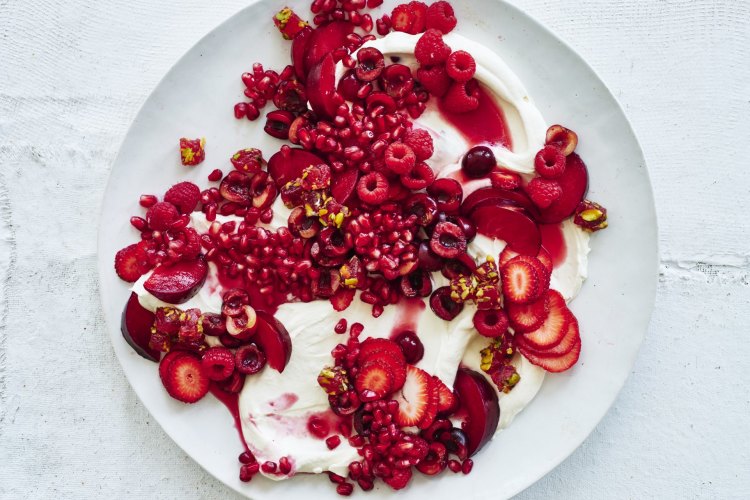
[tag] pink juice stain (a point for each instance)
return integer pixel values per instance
(484, 125)
(553, 240)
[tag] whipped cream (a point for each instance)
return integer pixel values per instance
(275, 407)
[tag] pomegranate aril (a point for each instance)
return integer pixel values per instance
(148, 200)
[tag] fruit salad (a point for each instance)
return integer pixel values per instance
(385, 287)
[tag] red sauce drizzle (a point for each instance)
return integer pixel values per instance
(553, 241)
(407, 316)
(232, 402)
(484, 125)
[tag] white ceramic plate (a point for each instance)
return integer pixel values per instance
(195, 99)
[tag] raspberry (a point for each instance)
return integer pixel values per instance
(430, 49)
(373, 188)
(420, 177)
(462, 97)
(420, 141)
(505, 180)
(434, 79)
(550, 162)
(418, 16)
(184, 196)
(543, 191)
(461, 66)
(161, 215)
(218, 362)
(192, 152)
(399, 158)
(440, 16)
(401, 18)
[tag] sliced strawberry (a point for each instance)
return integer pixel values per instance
(546, 260)
(528, 317)
(401, 18)
(186, 380)
(433, 403)
(167, 360)
(131, 262)
(569, 340)
(555, 325)
(418, 16)
(447, 401)
(521, 281)
(544, 275)
(506, 255)
(374, 380)
(383, 350)
(342, 298)
(414, 397)
(554, 364)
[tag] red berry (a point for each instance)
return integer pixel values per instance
(218, 362)
(374, 381)
(550, 162)
(543, 192)
(420, 177)
(131, 262)
(184, 196)
(491, 322)
(430, 49)
(521, 281)
(505, 180)
(399, 158)
(401, 18)
(555, 325)
(161, 215)
(440, 16)
(419, 17)
(528, 317)
(461, 66)
(434, 79)
(420, 141)
(186, 380)
(414, 397)
(462, 97)
(342, 298)
(373, 188)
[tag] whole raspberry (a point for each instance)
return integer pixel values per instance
(440, 16)
(373, 188)
(550, 162)
(434, 79)
(161, 215)
(420, 177)
(184, 196)
(399, 158)
(420, 141)
(461, 66)
(505, 180)
(430, 49)
(543, 192)
(218, 362)
(462, 97)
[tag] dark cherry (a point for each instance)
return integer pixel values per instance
(448, 194)
(456, 443)
(416, 284)
(411, 346)
(249, 359)
(397, 81)
(448, 240)
(435, 461)
(478, 162)
(326, 284)
(423, 206)
(442, 304)
(454, 268)
(428, 260)
(371, 64)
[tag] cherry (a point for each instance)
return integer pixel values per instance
(416, 284)
(249, 359)
(478, 162)
(371, 64)
(411, 346)
(442, 304)
(423, 206)
(447, 193)
(428, 260)
(448, 240)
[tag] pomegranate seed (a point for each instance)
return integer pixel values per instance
(340, 326)
(356, 329)
(467, 466)
(246, 457)
(147, 200)
(344, 489)
(454, 466)
(210, 210)
(215, 176)
(240, 110)
(333, 442)
(139, 223)
(335, 478)
(268, 467)
(284, 465)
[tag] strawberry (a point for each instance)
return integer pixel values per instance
(132, 262)
(528, 317)
(387, 352)
(374, 380)
(414, 397)
(184, 196)
(521, 281)
(186, 380)
(418, 17)
(541, 269)
(167, 360)
(569, 340)
(447, 401)
(554, 364)
(342, 298)
(546, 259)
(401, 18)
(433, 403)
(555, 325)
(543, 192)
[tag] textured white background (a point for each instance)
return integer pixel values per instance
(73, 74)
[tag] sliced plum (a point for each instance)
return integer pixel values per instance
(299, 49)
(574, 183)
(136, 328)
(495, 196)
(177, 283)
(480, 407)
(273, 338)
(323, 41)
(514, 227)
(321, 88)
(343, 185)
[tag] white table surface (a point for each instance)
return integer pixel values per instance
(73, 74)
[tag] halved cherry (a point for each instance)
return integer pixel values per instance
(515, 228)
